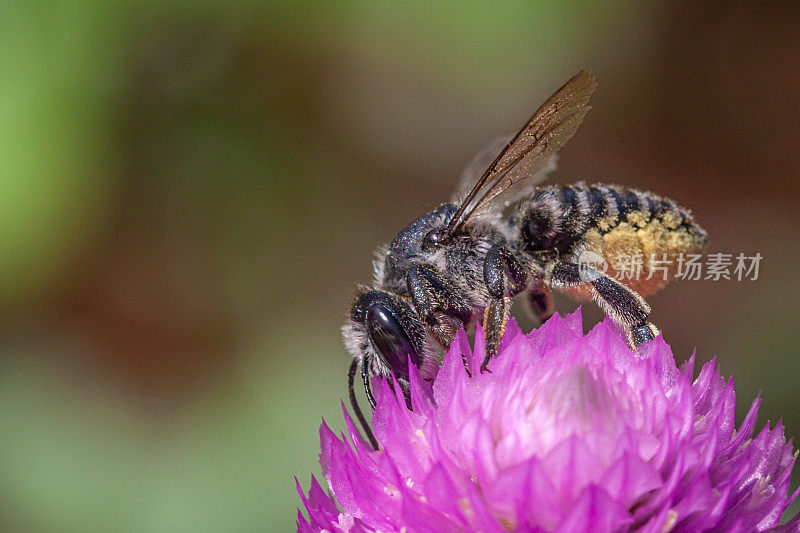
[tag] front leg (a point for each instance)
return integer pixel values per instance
(433, 297)
(504, 277)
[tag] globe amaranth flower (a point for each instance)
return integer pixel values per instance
(569, 432)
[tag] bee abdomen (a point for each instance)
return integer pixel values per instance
(556, 217)
(638, 208)
(561, 218)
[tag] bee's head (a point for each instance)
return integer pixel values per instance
(384, 333)
(424, 234)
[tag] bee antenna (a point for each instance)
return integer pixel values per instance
(354, 402)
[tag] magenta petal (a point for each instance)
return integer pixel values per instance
(595, 511)
(792, 526)
(360, 445)
(629, 478)
(302, 525)
(538, 504)
(320, 507)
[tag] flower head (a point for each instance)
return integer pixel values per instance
(569, 432)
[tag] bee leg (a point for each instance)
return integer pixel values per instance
(540, 302)
(354, 403)
(495, 319)
(623, 305)
(431, 295)
(504, 277)
(368, 387)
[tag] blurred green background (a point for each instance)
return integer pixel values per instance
(190, 191)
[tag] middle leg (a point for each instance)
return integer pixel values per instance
(504, 277)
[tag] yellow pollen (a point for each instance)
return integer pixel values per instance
(638, 218)
(508, 524)
(670, 220)
(464, 504)
(672, 518)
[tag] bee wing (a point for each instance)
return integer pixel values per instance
(478, 165)
(530, 154)
(509, 195)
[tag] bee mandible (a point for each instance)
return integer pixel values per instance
(466, 259)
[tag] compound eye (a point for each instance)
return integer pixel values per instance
(391, 340)
(434, 238)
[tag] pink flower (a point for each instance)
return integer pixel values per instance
(569, 432)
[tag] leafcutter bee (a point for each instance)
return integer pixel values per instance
(501, 236)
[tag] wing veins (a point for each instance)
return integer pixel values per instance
(563, 111)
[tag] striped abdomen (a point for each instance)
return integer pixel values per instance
(634, 231)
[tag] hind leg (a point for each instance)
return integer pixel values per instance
(624, 306)
(540, 303)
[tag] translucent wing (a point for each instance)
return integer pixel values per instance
(531, 152)
(511, 195)
(478, 165)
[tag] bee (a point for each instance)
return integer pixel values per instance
(502, 236)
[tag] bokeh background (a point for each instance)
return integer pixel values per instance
(190, 191)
